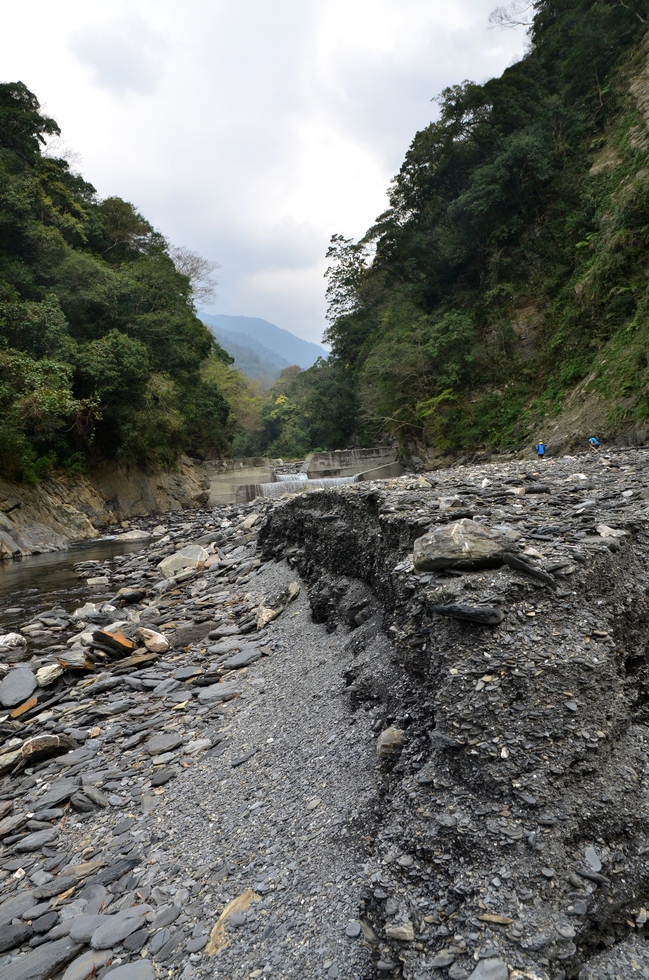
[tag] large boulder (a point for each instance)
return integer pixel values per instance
(463, 545)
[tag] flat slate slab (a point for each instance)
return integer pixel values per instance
(17, 687)
(219, 692)
(244, 658)
(43, 962)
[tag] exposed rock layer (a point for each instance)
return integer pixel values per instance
(518, 801)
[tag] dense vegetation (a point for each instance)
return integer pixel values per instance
(101, 353)
(511, 263)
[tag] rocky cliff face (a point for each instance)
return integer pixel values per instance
(513, 831)
(52, 514)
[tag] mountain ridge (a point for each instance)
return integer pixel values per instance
(286, 345)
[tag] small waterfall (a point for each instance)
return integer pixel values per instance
(290, 477)
(295, 483)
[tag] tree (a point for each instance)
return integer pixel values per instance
(198, 270)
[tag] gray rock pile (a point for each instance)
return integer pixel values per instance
(498, 623)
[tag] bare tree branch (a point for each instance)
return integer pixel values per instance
(198, 270)
(515, 14)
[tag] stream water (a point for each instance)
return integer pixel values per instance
(29, 585)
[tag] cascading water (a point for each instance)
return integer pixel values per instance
(291, 477)
(294, 483)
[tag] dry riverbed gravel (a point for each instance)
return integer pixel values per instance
(281, 740)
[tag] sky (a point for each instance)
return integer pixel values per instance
(250, 131)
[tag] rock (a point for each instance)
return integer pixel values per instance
(135, 535)
(160, 744)
(490, 969)
(190, 557)
(48, 674)
(271, 607)
(404, 932)
(45, 745)
(14, 935)
(442, 959)
(43, 962)
(244, 658)
(60, 790)
(14, 906)
(139, 970)
(219, 692)
(605, 531)
(97, 580)
(12, 640)
(115, 928)
(462, 545)
(390, 742)
(353, 929)
(155, 642)
(484, 615)
(87, 965)
(17, 687)
(11, 824)
(34, 842)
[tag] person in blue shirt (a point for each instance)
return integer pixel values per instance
(540, 449)
(594, 443)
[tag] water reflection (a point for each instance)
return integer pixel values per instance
(39, 581)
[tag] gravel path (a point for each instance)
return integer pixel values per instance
(281, 823)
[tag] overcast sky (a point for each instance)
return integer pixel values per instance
(250, 130)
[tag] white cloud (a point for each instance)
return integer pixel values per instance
(250, 130)
(124, 55)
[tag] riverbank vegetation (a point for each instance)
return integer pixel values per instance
(511, 264)
(101, 353)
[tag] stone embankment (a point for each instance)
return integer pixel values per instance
(393, 729)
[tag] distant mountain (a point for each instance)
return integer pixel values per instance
(252, 359)
(252, 332)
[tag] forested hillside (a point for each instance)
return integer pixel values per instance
(511, 265)
(101, 353)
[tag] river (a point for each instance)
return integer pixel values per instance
(29, 585)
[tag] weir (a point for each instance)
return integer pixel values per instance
(242, 480)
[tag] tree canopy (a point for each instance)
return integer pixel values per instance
(101, 351)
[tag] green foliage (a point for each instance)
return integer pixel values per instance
(495, 210)
(101, 353)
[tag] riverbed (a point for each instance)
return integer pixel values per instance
(31, 584)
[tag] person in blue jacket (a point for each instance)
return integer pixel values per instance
(594, 443)
(540, 449)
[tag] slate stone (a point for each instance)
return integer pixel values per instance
(13, 907)
(136, 940)
(140, 970)
(115, 928)
(159, 941)
(246, 657)
(443, 958)
(43, 962)
(60, 790)
(162, 743)
(197, 944)
(353, 929)
(219, 692)
(163, 777)
(57, 886)
(12, 936)
(491, 969)
(34, 842)
(45, 922)
(18, 686)
(460, 545)
(87, 965)
(115, 872)
(84, 926)
(166, 915)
